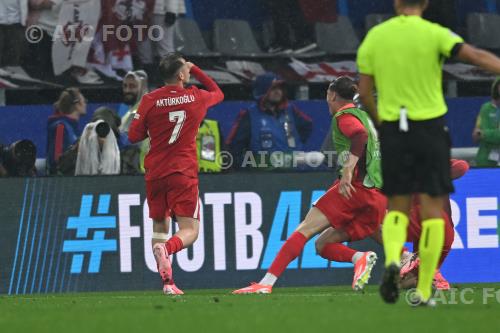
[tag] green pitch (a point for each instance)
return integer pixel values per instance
(319, 309)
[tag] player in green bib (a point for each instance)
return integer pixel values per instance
(403, 59)
(342, 144)
(352, 209)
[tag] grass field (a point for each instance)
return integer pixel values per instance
(318, 309)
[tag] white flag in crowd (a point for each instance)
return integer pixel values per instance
(468, 72)
(76, 26)
(324, 71)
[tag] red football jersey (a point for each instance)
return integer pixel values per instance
(171, 117)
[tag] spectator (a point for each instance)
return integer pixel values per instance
(98, 152)
(165, 15)
(135, 85)
(487, 130)
(45, 14)
(18, 159)
(271, 124)
(62, 127)
(112, 55)
(13, 14)
(80, 158)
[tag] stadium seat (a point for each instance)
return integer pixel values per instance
(337, 38)
(482, 30)
(189, 40)
(372, 20)
(235, 38)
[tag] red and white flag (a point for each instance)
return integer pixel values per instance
(73, 36)
(324, 71)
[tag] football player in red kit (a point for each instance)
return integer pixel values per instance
(410, 261)
(170, 116)
(353, 208)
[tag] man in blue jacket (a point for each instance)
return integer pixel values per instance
(272, 124)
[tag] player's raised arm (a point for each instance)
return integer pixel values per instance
(213, 95)
(138, 130)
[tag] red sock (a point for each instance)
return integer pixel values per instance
(337, 252)
(289, 251)
(174, 245)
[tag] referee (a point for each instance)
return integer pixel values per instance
(403, 59)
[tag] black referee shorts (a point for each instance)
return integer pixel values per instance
(417, 161)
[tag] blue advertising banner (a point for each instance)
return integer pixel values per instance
(31, 121)
(93, 233)
(475, 207)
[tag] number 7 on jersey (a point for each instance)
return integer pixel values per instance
(177, 117)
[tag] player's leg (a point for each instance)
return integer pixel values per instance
(157, 203)
(186, 235)
(329, 246)
(377, 235)
(314, 223)
(160, 231)
(160, 236)
(185, 204)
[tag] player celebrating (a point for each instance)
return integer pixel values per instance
(171, 116)
(410, 262)
(353, 207)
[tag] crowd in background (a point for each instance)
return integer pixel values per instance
(272, 123)
(43, 53)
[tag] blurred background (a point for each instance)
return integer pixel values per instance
(108, 51)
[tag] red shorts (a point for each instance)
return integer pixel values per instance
(175, 195)
(415, 229)
(359, 216)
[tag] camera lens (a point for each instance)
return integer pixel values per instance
(102, 129)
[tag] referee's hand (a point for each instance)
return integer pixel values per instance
(345, 187)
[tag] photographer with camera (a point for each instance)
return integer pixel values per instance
(98, 152)
(62, 126)
(18, 159)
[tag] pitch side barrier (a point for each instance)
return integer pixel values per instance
(80, 234)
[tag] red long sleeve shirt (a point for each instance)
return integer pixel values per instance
(171, 117)
(352, 128)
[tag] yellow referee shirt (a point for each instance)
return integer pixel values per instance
(405, 56)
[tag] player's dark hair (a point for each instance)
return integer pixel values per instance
(170, 66)
(67, 100)
(345, 87)
(413, 2)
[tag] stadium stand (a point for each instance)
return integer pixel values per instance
(482, 30)
(337, 38)
(372, 20)
(235, 38)
(189, 40)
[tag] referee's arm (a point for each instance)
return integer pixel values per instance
(484, 59)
